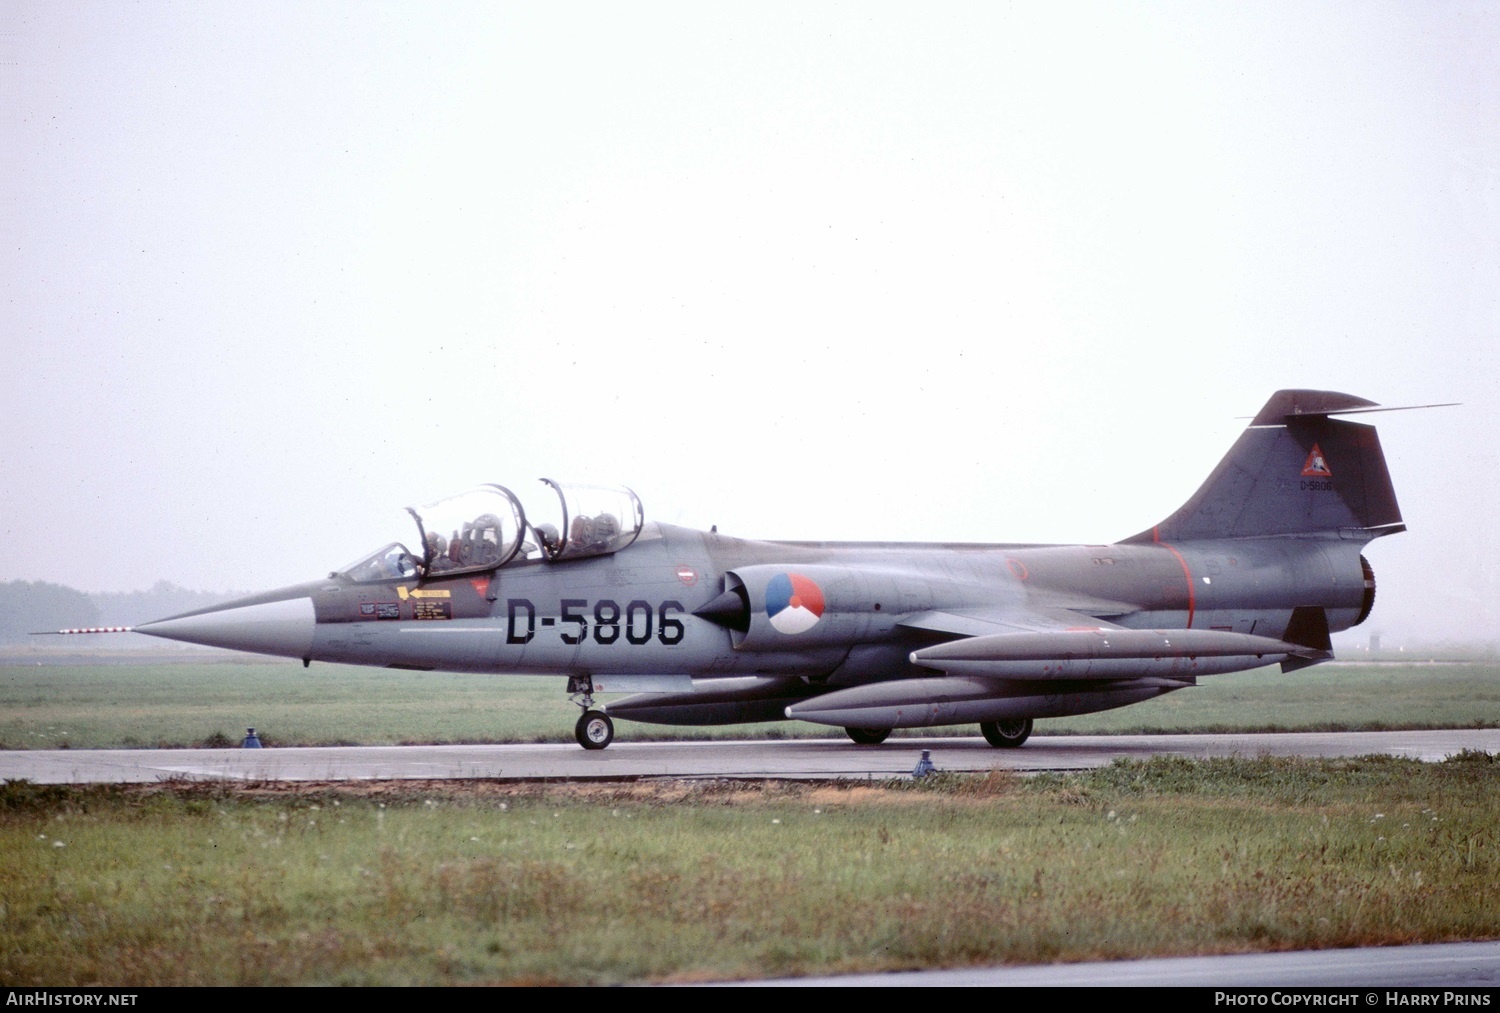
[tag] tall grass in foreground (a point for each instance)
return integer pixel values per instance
(479, 882)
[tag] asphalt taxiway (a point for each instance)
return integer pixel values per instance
(802, 759)
(1437, 965)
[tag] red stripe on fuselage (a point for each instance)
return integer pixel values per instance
(1187, 575)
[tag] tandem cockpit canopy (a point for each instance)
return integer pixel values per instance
(487, 528)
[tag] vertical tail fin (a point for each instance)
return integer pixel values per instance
(1293, 471)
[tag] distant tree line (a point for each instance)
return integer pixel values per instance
(26, 607)
(34, 606)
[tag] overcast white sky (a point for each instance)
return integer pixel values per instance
(270, 272)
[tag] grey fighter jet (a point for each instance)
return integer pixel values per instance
(1257, 568)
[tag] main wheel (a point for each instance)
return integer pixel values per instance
(594, 730)
(868, 736)
(1006, 734)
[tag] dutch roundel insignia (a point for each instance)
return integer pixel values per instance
(794, 604)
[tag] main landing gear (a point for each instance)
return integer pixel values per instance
(867, 736)
(594, 729)
(1006, 734)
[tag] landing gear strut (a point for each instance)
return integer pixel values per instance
(594, 729)
(1006, 734)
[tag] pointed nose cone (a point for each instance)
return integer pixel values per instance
(284, 626)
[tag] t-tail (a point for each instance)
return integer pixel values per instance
(1294, 471)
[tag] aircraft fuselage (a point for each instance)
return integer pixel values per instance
(633, 613)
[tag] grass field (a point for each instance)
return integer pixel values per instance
(453, 883)
(44, 706)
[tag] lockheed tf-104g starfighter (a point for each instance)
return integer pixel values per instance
(1258, 567)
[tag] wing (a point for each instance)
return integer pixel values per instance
(984, 622)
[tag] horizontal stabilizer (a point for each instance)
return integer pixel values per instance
(1286, 404)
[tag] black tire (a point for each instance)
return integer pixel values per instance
(1006, 734)
(868, 736)
(594, 730)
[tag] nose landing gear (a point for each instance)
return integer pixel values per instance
(594, 729)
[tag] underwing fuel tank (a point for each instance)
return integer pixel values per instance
(922, 703)
(1106, 654)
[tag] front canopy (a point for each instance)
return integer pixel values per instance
(476, 530)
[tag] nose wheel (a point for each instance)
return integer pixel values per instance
(594, 730)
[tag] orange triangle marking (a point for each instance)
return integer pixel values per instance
(1316, 466)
